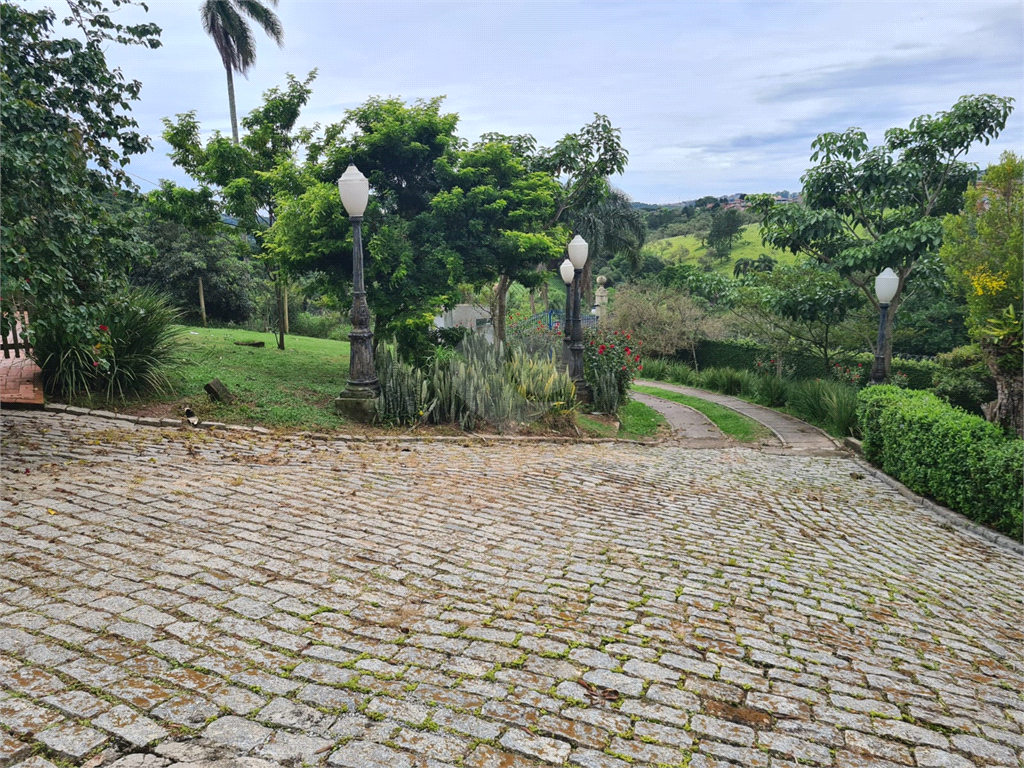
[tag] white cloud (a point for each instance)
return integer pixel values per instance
(712, 98)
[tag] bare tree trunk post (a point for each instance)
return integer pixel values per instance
(533, 302)
(202, 301)
(499, 321)
(284, 290)
(280, 307)
(231, 105)
(544, 296)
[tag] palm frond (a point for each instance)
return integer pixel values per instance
(266, 18)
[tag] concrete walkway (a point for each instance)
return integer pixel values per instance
(686, 423)
(794, 434)
(174, 598)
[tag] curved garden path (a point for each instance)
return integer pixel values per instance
(174, 598)
(791, 432)
(686, 423)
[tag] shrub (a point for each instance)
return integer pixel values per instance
(962, 379)
(772, 391)
(478, 382)
(137, 342)
(938, 450)
(680, 373)
(613, 352)
(657, 369)
(807, 400)
(831, 405)
(320, 326)
(749, 382)
(841, 406)
(728, 381)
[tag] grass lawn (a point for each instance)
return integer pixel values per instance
(731, 423)
(636, 422)
(748, 246)
(293, 388)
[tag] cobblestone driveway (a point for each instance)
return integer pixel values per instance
(431, 604)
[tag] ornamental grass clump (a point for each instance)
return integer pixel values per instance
(477, 383)
(681, 373)
(129, 352)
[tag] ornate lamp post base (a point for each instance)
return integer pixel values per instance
(357, 404)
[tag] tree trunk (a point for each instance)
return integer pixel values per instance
(280, 313)
(544, 295)
(533, 302)
(231, 105)
(1008, 408)
(498, 316)
(202, 302)
(284, 290)
(586, 288)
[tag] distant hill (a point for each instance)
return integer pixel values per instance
(685, 203)
(747, 247)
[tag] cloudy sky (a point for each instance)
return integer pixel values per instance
(712, 97)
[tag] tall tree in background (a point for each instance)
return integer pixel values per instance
(248, 177)
(983, 251)
(612, 227)
(231, 33)
(868, 209)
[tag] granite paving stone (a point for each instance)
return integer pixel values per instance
(253, 600)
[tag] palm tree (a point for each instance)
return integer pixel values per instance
(612, 226)
(231, 33)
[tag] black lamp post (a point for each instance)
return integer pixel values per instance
(358, 400)
(886, 285)
(567, 273)
(577, 258)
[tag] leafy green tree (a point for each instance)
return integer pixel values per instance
(250, 176)
(984, 253)
(796, 308)
(867, 209)
(400, 148)
(612, 228)
(725, 230)
(197, 258)
(931, 322)
(582, 163)
(65, 238)
(223, 21)
(493, 215)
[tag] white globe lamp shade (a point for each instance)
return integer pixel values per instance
(567, 271)
(578, 252)
(355, 191)
(885, 285)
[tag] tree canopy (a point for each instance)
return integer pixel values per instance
(983, 250)
(65, 239)
(867, 208)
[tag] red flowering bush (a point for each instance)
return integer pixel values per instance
(611, 361)
(855, 375)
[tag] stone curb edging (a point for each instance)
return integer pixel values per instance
(146, 421)
(952, 517)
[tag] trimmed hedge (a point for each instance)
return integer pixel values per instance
(920, 373)
(960, 460)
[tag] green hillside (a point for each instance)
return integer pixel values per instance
(749, 246)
